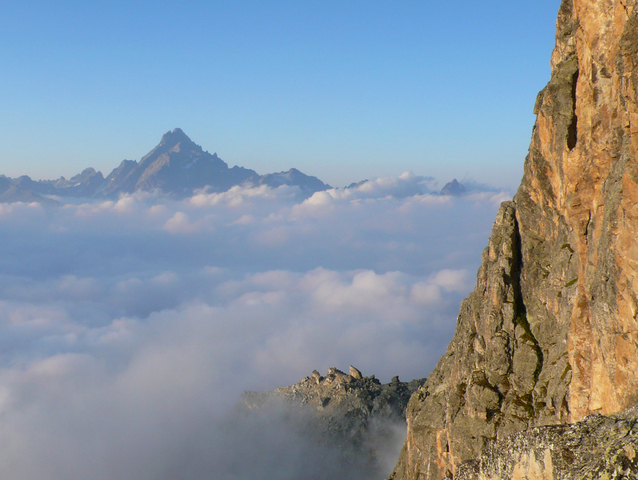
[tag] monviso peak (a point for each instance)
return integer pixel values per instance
(177, 167)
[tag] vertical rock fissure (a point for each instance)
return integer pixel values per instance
(519, 302)
(517, 267)
(572, 130)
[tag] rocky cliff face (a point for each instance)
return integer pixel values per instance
(550, 335)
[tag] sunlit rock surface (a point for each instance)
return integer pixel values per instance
(549, 335)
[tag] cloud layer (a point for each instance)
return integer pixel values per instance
(129, 328)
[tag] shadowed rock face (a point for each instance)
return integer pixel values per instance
(549, 335)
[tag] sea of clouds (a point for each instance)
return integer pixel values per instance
(129, 328)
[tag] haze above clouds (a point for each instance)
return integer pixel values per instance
(130, 328)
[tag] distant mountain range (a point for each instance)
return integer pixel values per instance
(176, 167)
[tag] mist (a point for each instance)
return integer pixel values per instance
(129, 328)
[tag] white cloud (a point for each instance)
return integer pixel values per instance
(129, 328)
(405, 185)
(452, 280)
(180, 223)
(240, 194)
(244, 220)
(425, 293)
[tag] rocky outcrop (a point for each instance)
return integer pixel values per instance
(550, 335)
(350, 411)
(598, 447)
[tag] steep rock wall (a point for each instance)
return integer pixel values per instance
(550, 333)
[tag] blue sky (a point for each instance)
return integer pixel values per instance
(129, 327)
(340, 90)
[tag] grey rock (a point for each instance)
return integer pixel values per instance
(355, 373)
(177, 167)
(343, 410)
(598, 447)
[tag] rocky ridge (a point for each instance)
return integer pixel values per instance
(549, 336)
(348, 410)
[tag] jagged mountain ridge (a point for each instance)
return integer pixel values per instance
(550, 334)
(344, 402)
(176, 166)
(349, 411)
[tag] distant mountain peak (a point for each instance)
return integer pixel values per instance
(177, 137)
(177, 166)
(173, 135)
(454, 188)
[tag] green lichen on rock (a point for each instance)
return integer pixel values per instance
(598, 447)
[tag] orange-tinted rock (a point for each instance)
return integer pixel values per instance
(550, 333)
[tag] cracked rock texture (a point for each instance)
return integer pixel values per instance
(603, 447)
(549, 335)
